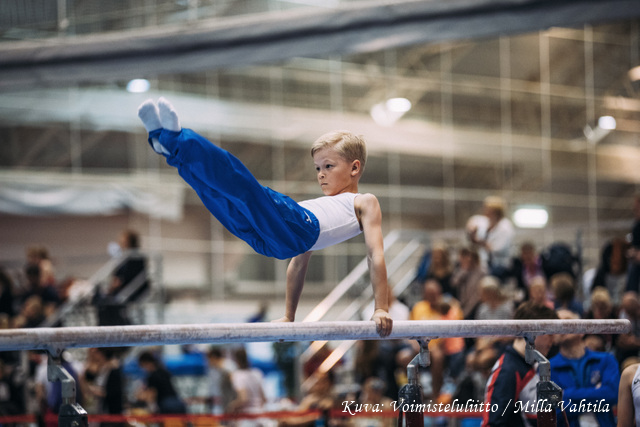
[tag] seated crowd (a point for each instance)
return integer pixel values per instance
(452, 284)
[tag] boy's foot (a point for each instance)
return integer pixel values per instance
(148, 113)
(168, 115)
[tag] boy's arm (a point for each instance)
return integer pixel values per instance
(296, 272)
(626, 410)
(370, 215)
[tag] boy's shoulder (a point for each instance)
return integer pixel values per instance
(366, 198)
(366, 202)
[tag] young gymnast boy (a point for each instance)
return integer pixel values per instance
(270, 222)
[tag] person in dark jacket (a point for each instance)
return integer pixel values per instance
(159, 390)
(511, 387)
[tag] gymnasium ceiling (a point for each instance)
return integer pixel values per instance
(514, 82)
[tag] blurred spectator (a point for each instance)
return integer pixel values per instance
(132, 271)
(478, 365)
(633, 277)
(512, 383)
(498, 240)
(440, 268)
(495, 305)
(373, 395)
(585, 376)
(319, 396)
(158, 394)
(6, 294)
(46, 292)
(526, 267)
(128, 284)
(378, 358)
(39, 255)
(558, 258)
(11, 391)
(539, 292)
(564, 291)
(628, 345)
(428, 308)
(103, 382)
(248, 385)
(31, 314)
(87, 380)
(465, 281)
(221, 391)
(612, 271)
(601, 308)
(444, 352)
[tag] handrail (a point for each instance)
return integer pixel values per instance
(58, 339)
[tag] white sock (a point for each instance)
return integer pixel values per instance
(168, 115)
(148, 113)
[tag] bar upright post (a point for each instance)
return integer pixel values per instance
(71, 414)
(410, 395)
(548, 393)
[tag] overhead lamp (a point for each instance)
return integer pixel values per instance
(388, 112)
(607, 123)
(531, 217)
(603, 128)
(138, 86)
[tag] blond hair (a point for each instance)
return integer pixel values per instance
(496, 204)
(350, 146)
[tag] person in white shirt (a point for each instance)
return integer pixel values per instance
(494, 236)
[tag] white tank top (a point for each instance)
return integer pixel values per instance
(337, 218)
(635, 394)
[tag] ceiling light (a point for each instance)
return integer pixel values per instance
(138, 86)
(388, 112)
(607, 123)
(531, 217)
(398, 105)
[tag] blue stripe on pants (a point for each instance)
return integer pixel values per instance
(270, 222)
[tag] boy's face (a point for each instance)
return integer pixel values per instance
(335, 174)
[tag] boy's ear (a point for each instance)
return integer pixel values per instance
(355, 167)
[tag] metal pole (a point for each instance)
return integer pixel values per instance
(410, 395)
(70, 414)
(548, 393)
(56, 339)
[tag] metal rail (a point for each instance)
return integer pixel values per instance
(55, 340)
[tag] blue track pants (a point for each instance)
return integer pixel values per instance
(271, 223)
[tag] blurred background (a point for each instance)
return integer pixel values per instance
(531, 102)
(535, 102)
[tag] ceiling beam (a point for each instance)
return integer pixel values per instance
(265, 38)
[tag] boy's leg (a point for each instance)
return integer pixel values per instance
(150, 116)
(271, 223)
(168, 116)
